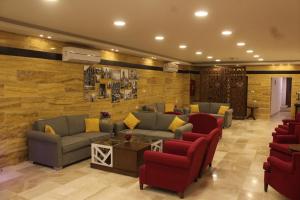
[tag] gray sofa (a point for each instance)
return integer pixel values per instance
(155, 125)
(70, 144)
(213, 108)
(156, 107)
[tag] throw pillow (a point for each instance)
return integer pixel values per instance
(131, 121)
(169, 107)
(49, 130)
(222, 110)
(176, 123)
(194, 108)
(92, 125)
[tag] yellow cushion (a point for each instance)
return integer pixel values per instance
(49, 130)
(222, 110)
(92, 125)
(169, 107)
(194, 108)
(176, 123)
(131, 121)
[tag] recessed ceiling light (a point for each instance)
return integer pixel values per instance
(241, 44)
(51, 0)
(256, 56)
(198, 53)
(210, 57)
(201, 13)
(52, 48)
(49, 37)
(226, 32)
(159, 37)
(182, 46)
(218, 60)
(41, 35)
(116, 50)
(260, 59)
(249, 51)
(119, 23)
(112, 49)
(154, 58)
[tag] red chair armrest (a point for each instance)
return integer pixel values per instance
(285, 139)
(189, 136)
(280, 164)
(166, 159)
(286, 127)
(280, 148)
(286, 121)
(281, 131)
(177, 147)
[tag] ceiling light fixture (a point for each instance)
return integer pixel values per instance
(116, 50)
(218, 60)
(52, 48)
(201, 13)
(159, 37)
(249, 51)
(119, 23)
(241, 44)
(182, 46)
(198, 53)
(154, 58)
(49, 37)
(51, 0)
(210, 57)
(260, 59)
(226, 32)
(41, 35)
(256, 56)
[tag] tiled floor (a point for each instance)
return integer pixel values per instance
(236, 174)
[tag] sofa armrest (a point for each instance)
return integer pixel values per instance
(166, 159)
(228, 117)
(285, 139)
(185, 128)
(43, 137)
(177, 147)
(119, 126)
(106, 126)
(280, 164)
(186, 110)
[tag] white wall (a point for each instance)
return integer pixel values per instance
(283, 92)
(276, 95)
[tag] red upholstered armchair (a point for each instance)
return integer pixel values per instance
(212, 141)
(283, 176)
(283, 131)
(205, 123)
(174, 169)
(280, 145)
(285, 126)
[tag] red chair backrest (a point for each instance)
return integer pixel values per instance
(297, 132)
(203, 123)
(297, 118)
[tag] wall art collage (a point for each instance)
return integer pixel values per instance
(107, 83)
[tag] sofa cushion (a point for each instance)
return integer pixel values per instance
(93, 136)
(160, 107)
(204, 107)
(72, 143)
(176, 123)
(59, 124)
(150, 133)
(76, 123)
(163, 121)
(214, 107)
(131, 121)
(147, 120)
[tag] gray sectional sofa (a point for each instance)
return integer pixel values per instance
(154, 124)
(156, 107)
(70, 144)
(213, 108)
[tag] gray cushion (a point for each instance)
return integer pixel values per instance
(214, 107)
(160, 107)
(148, 120)
(150, 133)
(72, 143)
(59, 124)
(76, 123)
(204, 107)
(93, 137)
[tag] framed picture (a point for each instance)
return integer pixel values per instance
(116, 75)
(89, 77)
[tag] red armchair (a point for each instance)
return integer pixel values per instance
(283, 176)
(212, 141)
(280, 145)
(285, 126)
(290, 129)
(174, 169)
(205, 123)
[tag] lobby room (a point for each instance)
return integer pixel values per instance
(149, 99)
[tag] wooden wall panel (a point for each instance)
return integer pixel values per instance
(32, 89)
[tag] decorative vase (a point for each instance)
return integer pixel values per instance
(127, 137)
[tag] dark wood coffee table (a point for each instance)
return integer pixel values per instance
(119, 156)
(294, 147)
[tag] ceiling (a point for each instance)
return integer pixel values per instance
(270, 27)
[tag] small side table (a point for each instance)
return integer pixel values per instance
(294, 147)
(252, 109)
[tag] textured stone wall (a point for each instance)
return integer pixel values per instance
(32, 88)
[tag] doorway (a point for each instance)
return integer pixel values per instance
(281, 94)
